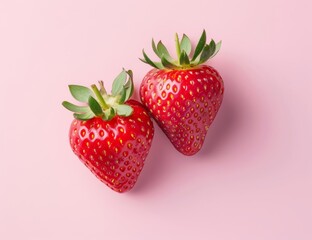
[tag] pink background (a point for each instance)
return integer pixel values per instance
(253, 177)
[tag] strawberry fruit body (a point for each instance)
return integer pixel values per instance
(111, 135)
(183, 95)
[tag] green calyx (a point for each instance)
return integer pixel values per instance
(97, 103)
(185, 59)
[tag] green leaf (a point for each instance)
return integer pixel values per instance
(162, 50)
(168, 64)
(84, 116)
(155, 49)
(124, 110)
(80, 93)
(207, 52)
(200, 45)
(119, 82)
(109, 114)
(186, 44)
(150, 62)
(129, 85)
(95, 106)
(218, 46)
(184, 60)
(74, 108)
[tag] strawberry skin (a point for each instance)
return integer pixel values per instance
(111, 134)
(184, 103)
(115, 150)
(183, 95)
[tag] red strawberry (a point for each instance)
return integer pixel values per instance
(111, 134)
(183, 95)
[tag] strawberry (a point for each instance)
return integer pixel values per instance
(111, 134)
(183, 95)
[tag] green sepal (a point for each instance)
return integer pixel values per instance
(127, 88)
(109, 114)
(177, 45)
(168, 64)
(124, 110)
(123, 93)
(123, 88)
(207, 52)
(129, 85)
(218, 46)
(102, 88)
(162, 50)
(84, 116)
(150, 62)
(201, 54)
(119, 82)
(186, 45)
(74, 108)
(184, 60)
(80, 93)
(95, 106)
(155, 49)
(200, 45)
(99, 96)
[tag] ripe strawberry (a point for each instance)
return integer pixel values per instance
(111, 134)
(183, 95)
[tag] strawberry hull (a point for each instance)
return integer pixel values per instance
(115, 150)
(184, 103)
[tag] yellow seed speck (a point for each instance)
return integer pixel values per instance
(174, 89)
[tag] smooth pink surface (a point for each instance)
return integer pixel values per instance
(253, 177)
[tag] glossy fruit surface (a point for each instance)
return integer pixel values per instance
(184, 103)
(111, 134)
(115, 150)
(183, 95)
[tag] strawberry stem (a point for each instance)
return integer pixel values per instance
(99, 97)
